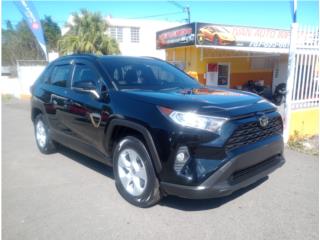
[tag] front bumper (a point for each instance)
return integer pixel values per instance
(239, 172)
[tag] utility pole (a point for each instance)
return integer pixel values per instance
(291, 67)
(185, 9)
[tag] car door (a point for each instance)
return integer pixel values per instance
(88, 110)
(56, 90)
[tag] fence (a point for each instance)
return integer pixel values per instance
(302, 101)
(305, 86)
(28, 71)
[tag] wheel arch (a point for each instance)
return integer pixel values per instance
(35, 112)
(132, 128)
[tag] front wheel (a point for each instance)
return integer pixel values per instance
(134, 174)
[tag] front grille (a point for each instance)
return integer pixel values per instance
(252, 132)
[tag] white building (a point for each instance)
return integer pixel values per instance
(137, 37)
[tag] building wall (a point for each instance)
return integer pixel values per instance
(147, 29)
(241, 64)
(304, 122)
(147, 40)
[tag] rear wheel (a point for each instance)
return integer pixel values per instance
(42, 135)
(134, 174)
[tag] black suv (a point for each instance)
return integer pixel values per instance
(161, 130)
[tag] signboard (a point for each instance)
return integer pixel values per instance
(225, 37)
(176, 37)
(218, 35)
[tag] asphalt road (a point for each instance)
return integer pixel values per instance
(69, 196)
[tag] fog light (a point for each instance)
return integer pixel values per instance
(182, 154)
(182, 157)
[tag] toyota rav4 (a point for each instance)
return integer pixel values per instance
(163, 132)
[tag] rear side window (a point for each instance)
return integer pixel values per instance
(45, 76)
(60, 75)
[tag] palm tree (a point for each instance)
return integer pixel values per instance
(87, 34)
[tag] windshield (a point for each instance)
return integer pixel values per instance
(148, 74)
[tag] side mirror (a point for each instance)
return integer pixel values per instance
(86, 86)
(104, 92)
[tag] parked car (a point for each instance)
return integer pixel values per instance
(216, 35)
(162, 131)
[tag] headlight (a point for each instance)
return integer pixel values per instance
(194, 120)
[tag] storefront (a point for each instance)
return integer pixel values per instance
(228, 56)
(231, 56)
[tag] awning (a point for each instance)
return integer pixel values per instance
(248, 49)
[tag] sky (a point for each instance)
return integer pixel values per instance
(257, 13)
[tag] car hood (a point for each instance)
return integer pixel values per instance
(208, 101)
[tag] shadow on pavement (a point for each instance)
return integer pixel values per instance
(86, 161)
(205, 204)
(169, 201)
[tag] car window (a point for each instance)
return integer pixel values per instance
(45, 76)
(84, 73)
(162, 75)
(60, 75)
(146, 74)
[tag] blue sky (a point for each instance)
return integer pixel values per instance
(273, 14)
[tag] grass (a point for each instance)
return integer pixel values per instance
(304, 144)
(6, 97)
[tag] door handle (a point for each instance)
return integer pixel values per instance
(95, 119)
(54, 99)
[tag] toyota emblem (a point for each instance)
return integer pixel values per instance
(264, 121)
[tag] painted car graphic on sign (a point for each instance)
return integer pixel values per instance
(216, 35)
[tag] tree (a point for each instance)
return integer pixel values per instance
(18, 43)
(52, 33)
(87, 34)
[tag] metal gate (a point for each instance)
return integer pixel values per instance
(305, 92)
(303, 70)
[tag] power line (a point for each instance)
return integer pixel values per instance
(158, 15)
(185, 9)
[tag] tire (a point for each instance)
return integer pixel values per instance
(42, 135)
(134, 174)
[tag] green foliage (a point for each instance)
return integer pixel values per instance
(305, 144)
(87, 34)
(18, 43)
(6, 97)
(52, 33)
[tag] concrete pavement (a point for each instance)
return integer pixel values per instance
(69, 196)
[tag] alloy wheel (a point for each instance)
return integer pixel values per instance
(132, 172)
(41, 134)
